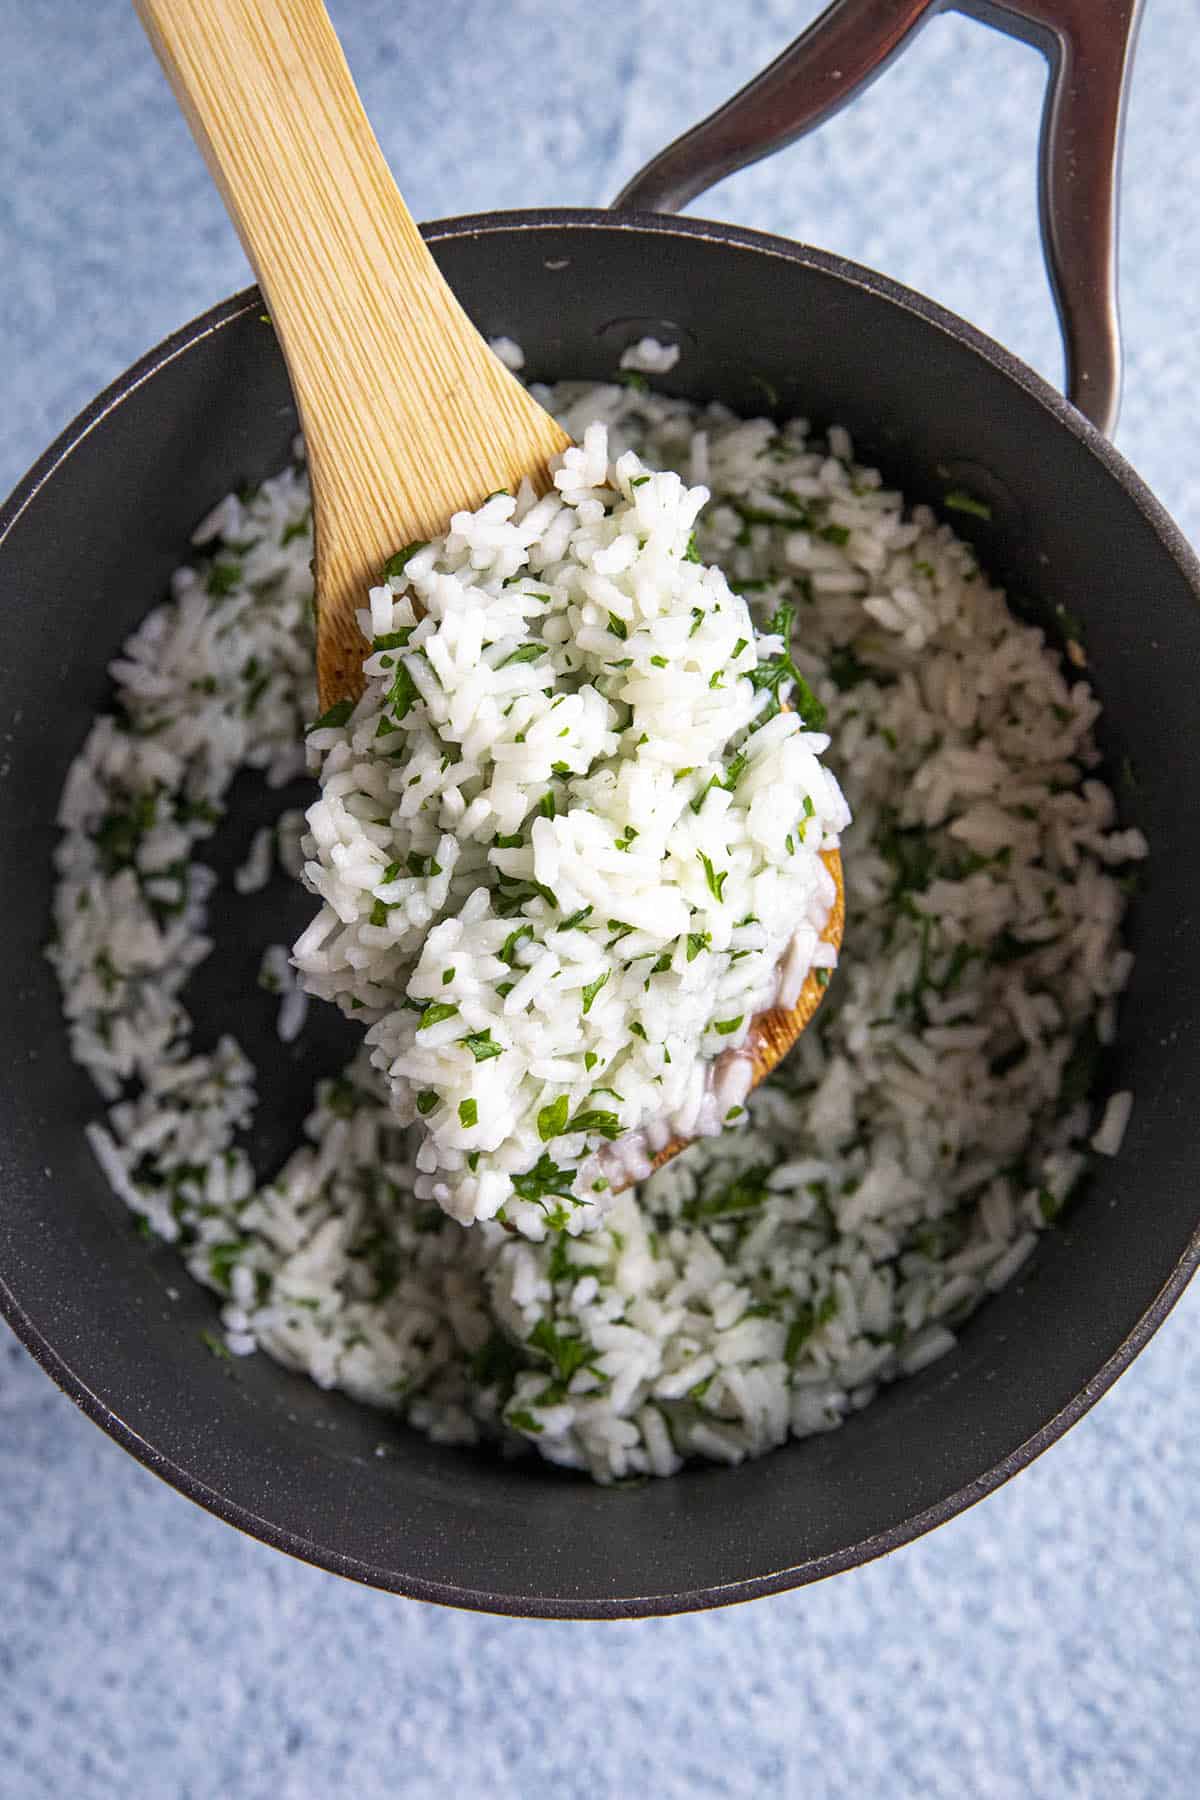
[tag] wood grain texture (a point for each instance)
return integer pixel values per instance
(407, 415)
(773, 1033)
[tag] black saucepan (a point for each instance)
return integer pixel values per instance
(86, 546)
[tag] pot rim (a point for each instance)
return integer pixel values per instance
(904, 1531)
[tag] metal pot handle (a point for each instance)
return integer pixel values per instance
(1089, 47)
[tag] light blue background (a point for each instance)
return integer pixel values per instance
(1044, 1645)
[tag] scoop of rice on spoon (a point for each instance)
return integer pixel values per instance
(411, 423)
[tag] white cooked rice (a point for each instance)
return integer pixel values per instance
(567, 847)
(896, 1169)
(1110, 1133)
(649, 357)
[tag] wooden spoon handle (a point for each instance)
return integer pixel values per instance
(406, 412)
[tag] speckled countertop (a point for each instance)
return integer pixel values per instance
(1047, 1643)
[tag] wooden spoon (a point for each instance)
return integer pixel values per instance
(408, 416)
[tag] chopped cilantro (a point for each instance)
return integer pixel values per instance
(513, 942)
(598, 1123)
(422, 865)
(774, 671)
(552, 1119)
(591, 990)
(482, 1045)
(958, 501)
(744, 1194)
(393, 640)
(222, 579)
(435, 1013)
(395, 566)
(807, 1320)
(337, 716)
(543, 1181)
(715, 882)
(704, 792)
(496, 1364)
(402, 693)
(566, 1353)
(221, 1260)
(468, 1112)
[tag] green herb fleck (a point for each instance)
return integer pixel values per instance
(436, 1012)
(223, 578)
(552, 1119)
(217, 1346)
(568, 1354)
(402, 693)
(959, 501)
(513, 942)
(336, 717)
(715, 882)
(393, 640)
(543, 1181)
(395, 566)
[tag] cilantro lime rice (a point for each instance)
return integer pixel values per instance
(568, 842)
(896, 1169)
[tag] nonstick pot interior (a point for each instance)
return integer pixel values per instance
(86, 547)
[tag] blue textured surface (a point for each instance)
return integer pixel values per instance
(1044, 1645)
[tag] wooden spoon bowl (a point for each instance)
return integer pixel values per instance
(773, 1033)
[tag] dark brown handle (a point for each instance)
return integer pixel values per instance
(1089, 46)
